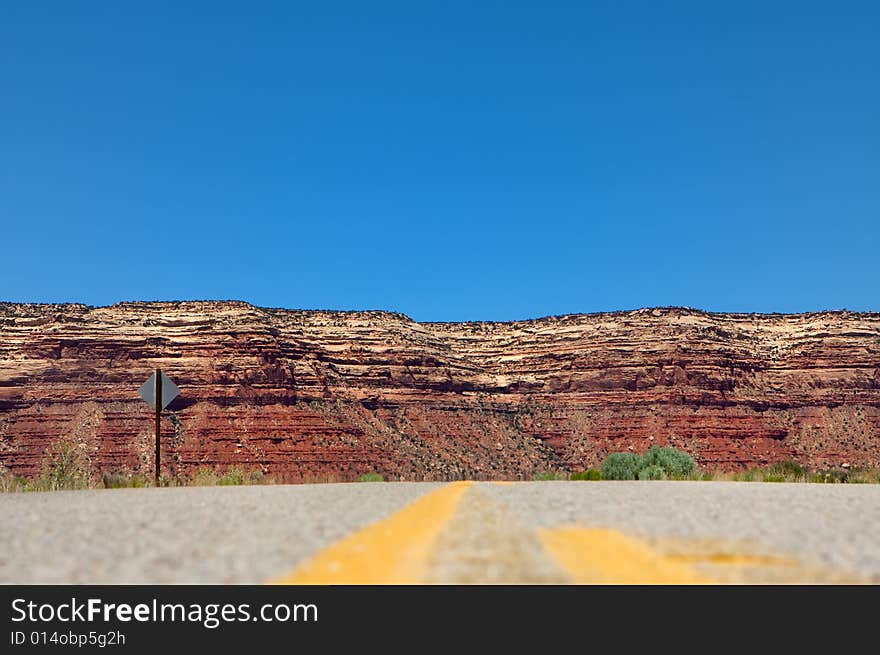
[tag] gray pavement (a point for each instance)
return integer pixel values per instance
(826, 527)
(251, 534)
(182, 535)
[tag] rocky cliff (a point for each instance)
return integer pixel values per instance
(309, 395)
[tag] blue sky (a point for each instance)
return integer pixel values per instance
(452, 161)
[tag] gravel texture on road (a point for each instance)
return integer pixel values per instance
(183, 535)
(734, 532)
(484, 543)
(829, 526)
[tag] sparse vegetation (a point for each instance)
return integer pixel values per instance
(589, 475)
(67, 466)
(9, 483)
(664, 463)
(620, 466)
(673, 463)
(794, 472)
(549, 475)
(652, 472)
(233, 476)
(124, 480)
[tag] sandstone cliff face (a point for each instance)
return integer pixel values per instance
(309, 395)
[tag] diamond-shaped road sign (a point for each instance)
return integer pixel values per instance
(169, 391)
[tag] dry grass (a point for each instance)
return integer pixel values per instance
(66, 466)
(232, 476)
(793, 472)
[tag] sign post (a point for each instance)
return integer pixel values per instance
(158, 420)
(158, 391)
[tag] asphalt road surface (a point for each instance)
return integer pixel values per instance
(541, 532)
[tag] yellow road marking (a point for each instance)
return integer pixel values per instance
(392, 551)
(602, 556)
(732, 559)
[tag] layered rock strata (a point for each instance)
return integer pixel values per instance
(313, 395)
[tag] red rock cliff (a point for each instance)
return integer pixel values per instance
(311, 395)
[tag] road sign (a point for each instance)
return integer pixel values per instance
(158, 392)
(169, 391)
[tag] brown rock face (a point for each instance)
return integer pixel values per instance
(309, 395)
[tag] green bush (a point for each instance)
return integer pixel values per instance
(233, 477)
(652, 472)
(371, 477)
(589, 474)
(674, 463)
(620, 466)
(549, 475)
(790, 470)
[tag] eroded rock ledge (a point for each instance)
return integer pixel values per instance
(308, 395)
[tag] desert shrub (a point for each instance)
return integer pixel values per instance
(371, 477)
(203, 477)
(836, 475)
(620, 466)
(549, 475)
(233, 477)
(589, 474)
(652, 472)
(11, 483)
(66, 467)
(674, 463)
(860, 477)
(789, 469)
(116, 480)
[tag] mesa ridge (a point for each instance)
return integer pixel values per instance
(310, 395)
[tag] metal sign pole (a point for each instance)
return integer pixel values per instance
(152, 391)
(158, 418)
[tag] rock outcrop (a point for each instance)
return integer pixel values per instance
(311, 395)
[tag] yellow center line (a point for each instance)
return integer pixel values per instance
(732, 560)
(603, 556)
(394, 550)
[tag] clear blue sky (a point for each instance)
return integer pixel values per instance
(449, 160)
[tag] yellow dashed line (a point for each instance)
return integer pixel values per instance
(392, 551)
(602, 556)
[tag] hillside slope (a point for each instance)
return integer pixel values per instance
(319, 394)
